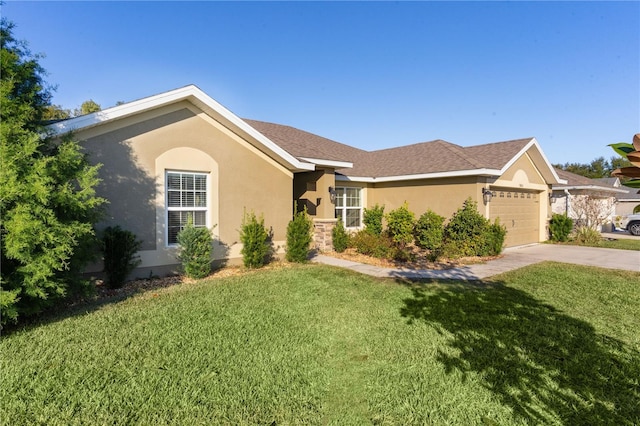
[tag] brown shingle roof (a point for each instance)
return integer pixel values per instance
(303, 144)
(575, 179)
(421, 158)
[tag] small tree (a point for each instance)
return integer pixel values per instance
(255, 241)
(340, 237)
(195, 250)
(120, 248)
(372, 219)
(299, 237)
(592, 210)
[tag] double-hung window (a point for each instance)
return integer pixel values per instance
(186, 202)
(349, 206)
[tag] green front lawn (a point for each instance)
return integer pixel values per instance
(547, 344)
(621, 244)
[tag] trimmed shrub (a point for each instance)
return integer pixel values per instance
(340, 237)
(195, 251)
(299, 237)
(429, 231)
(372, 219)
(560, 226)
(400, 224)
(255, 241)
(587, 235)
(494, 236)
(464, 231)
(120, 248)
(379, 246)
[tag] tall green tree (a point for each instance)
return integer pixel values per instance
(598, 168)
(48, 202)
(87, 107)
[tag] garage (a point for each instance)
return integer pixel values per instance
(519, 212)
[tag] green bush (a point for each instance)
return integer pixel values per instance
(120, 249)
(402, 254)
(372, 219)
(468, 233)
(255, 241)
(560, 226)
(587, 236)
(195, 251)
(379, 246)
(494, 236)
(340, 237)
(299, 237)
(429, 231)
(400, 224)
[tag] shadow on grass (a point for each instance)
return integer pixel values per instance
(547, 366)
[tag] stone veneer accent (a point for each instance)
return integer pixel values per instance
(322, 238)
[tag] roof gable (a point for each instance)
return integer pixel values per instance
(198, 98)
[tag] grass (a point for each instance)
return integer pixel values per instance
(621, 244)
(550, 343)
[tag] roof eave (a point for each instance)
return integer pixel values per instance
(195, 96)
(588, 187)
(422, 176)
(328, 163)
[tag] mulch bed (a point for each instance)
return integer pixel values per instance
(421, 260)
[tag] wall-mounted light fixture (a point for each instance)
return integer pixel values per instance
(332, 194)
(486, 195)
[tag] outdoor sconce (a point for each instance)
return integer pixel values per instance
(332, 194)
(486, 195)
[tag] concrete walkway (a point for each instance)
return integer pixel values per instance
(513, 258)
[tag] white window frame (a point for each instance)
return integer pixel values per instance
(169, 209)
(341, 198)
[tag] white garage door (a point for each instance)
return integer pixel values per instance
(519, 212)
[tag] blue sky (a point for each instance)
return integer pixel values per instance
(369, 74)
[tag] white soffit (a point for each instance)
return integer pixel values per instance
(457, 173)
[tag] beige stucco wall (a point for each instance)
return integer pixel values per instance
(311, 189)
(136, 153)
(443, 196)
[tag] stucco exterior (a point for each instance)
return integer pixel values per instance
(443, 196)
(137, 153)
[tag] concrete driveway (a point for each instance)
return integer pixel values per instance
(513, 258)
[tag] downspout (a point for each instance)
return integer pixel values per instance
(567, 203)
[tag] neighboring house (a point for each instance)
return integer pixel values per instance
(629, 202)
(180, 155)
(590, 202)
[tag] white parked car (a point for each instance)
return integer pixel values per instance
(632, 223)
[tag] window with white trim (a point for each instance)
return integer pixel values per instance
(349, 206)
(186, 202)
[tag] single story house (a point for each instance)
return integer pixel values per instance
(181, 154)
(590, 202)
